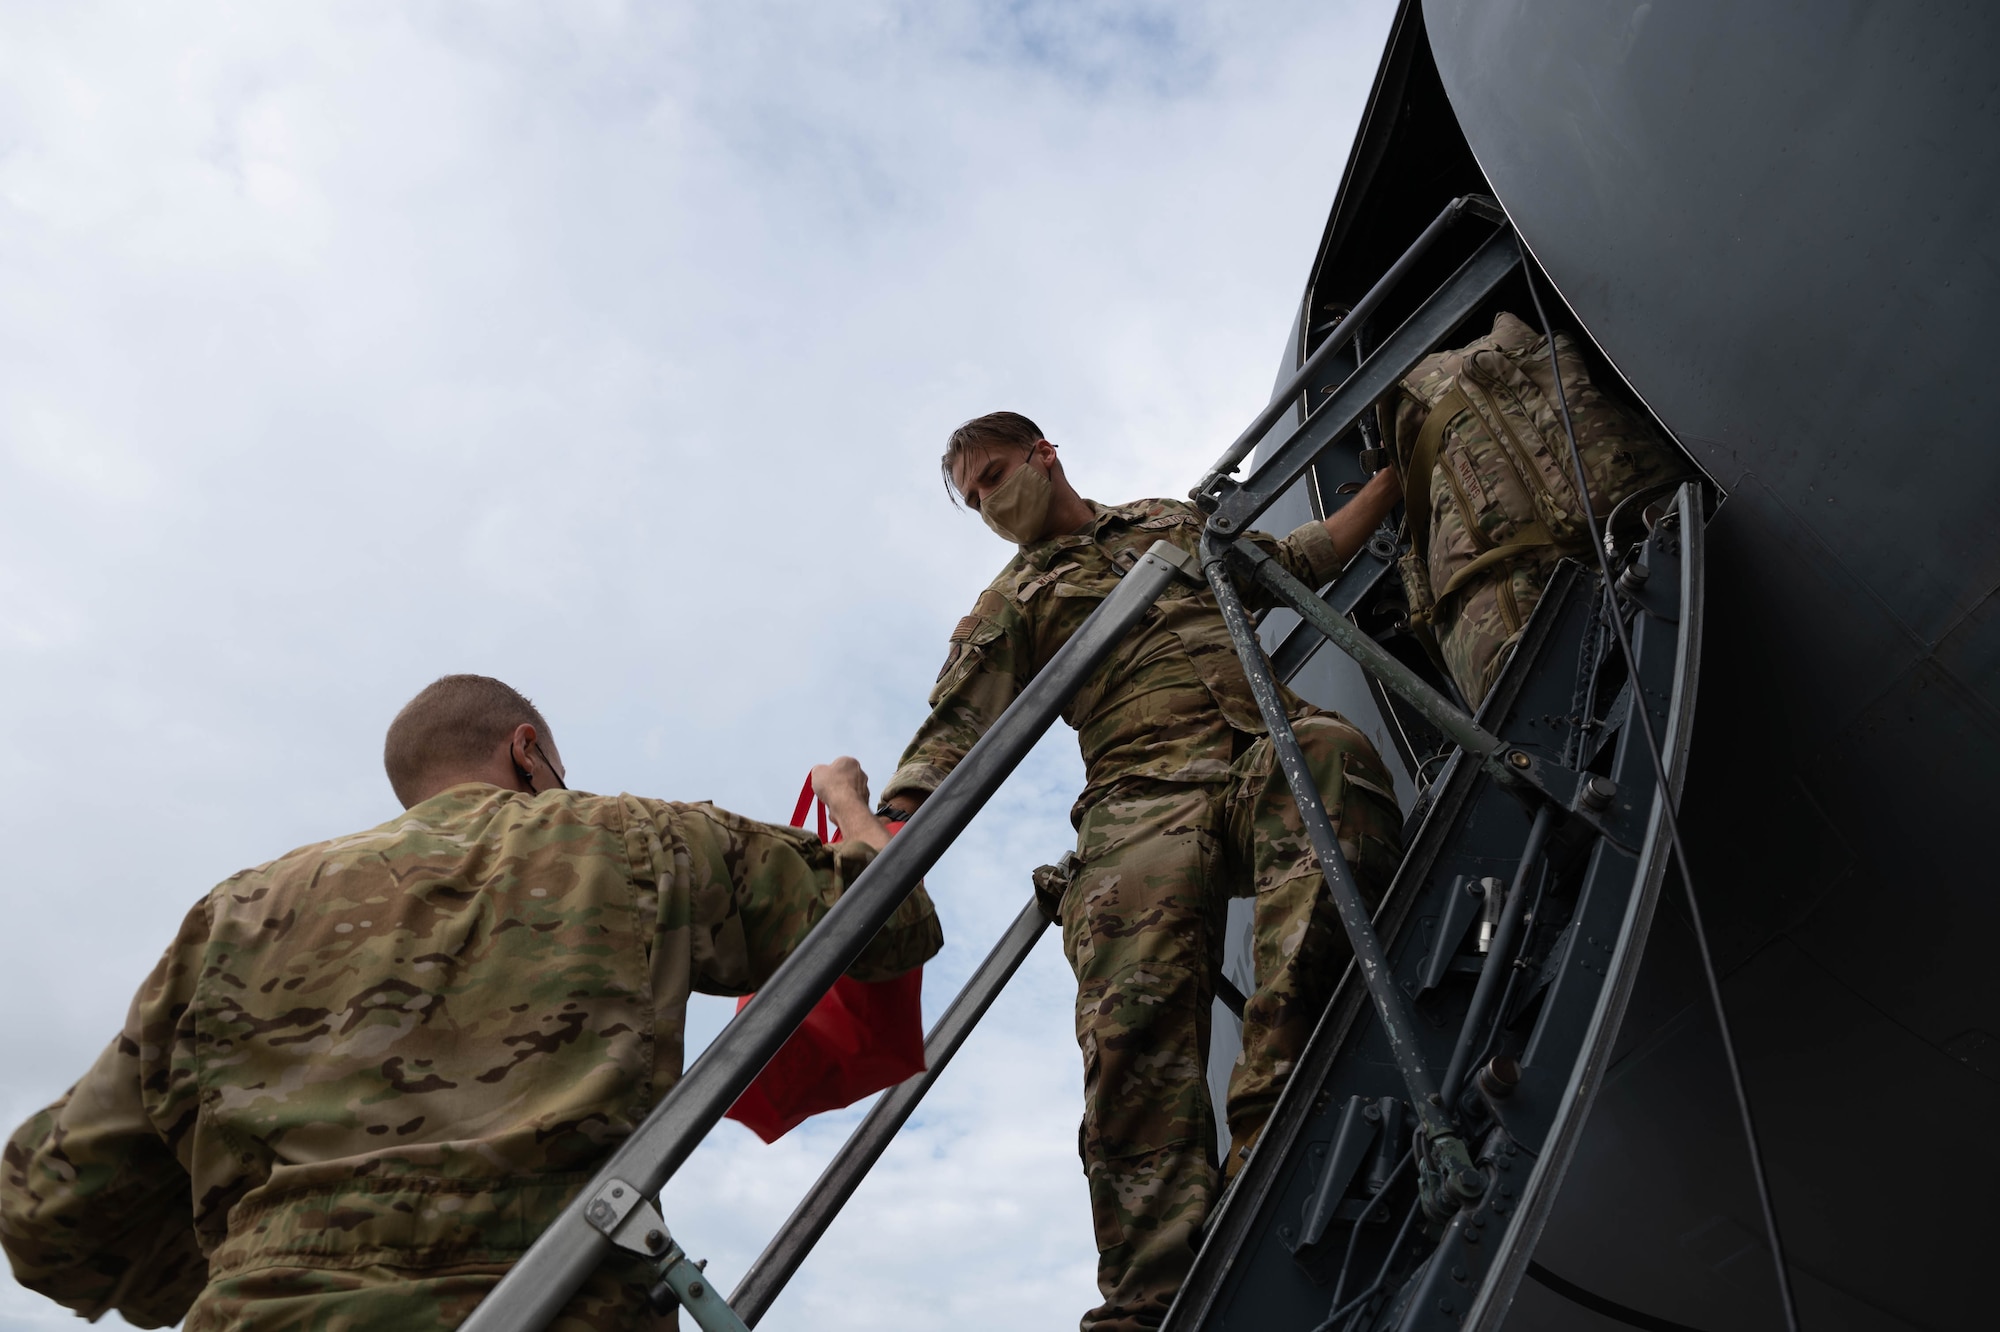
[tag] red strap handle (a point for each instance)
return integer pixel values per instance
(806, 801)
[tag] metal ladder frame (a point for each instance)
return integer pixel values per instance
(615, 1210)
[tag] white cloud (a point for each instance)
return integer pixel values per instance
(607, 348)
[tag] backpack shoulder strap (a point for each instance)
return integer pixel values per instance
(1417, 496)
(1423, 462)
(1530, 537)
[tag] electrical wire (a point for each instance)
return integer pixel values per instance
(1382, 1274)
(1423, 780)
(1667, 810)
(1598, 1304)
(1354, 1236)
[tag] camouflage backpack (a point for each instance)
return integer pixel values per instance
(1490, 491)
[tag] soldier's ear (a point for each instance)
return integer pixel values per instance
(521, 744)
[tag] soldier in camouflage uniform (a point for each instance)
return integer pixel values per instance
(1492, 504)
(1183, 807)
(365, 1076)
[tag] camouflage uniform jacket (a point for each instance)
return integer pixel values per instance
(407, 1047)
(1162, 706)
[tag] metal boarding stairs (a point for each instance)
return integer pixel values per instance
(1415, 1154)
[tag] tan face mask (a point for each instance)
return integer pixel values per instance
(1018, 508)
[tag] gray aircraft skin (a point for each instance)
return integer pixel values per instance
(1775, 225)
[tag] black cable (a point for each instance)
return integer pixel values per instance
(1382, 1275)
(1668, 815)
(1439, 759)
(1598, 1304)
(1353, 1236)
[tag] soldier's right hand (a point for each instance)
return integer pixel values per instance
(844, 787)
(840, 780)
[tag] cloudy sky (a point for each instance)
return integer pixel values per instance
(607, 349)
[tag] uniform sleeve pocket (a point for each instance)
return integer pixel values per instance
(968, 647)
(1354, 771)
(1371, 824)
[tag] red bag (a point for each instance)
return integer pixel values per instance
(862, 1036)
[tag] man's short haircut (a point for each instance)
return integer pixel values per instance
(455, 723)
(993, 430)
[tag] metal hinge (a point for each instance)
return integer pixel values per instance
(630, 1220)
(1184, 564)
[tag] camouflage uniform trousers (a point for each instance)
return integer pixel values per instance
(1142, 927)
